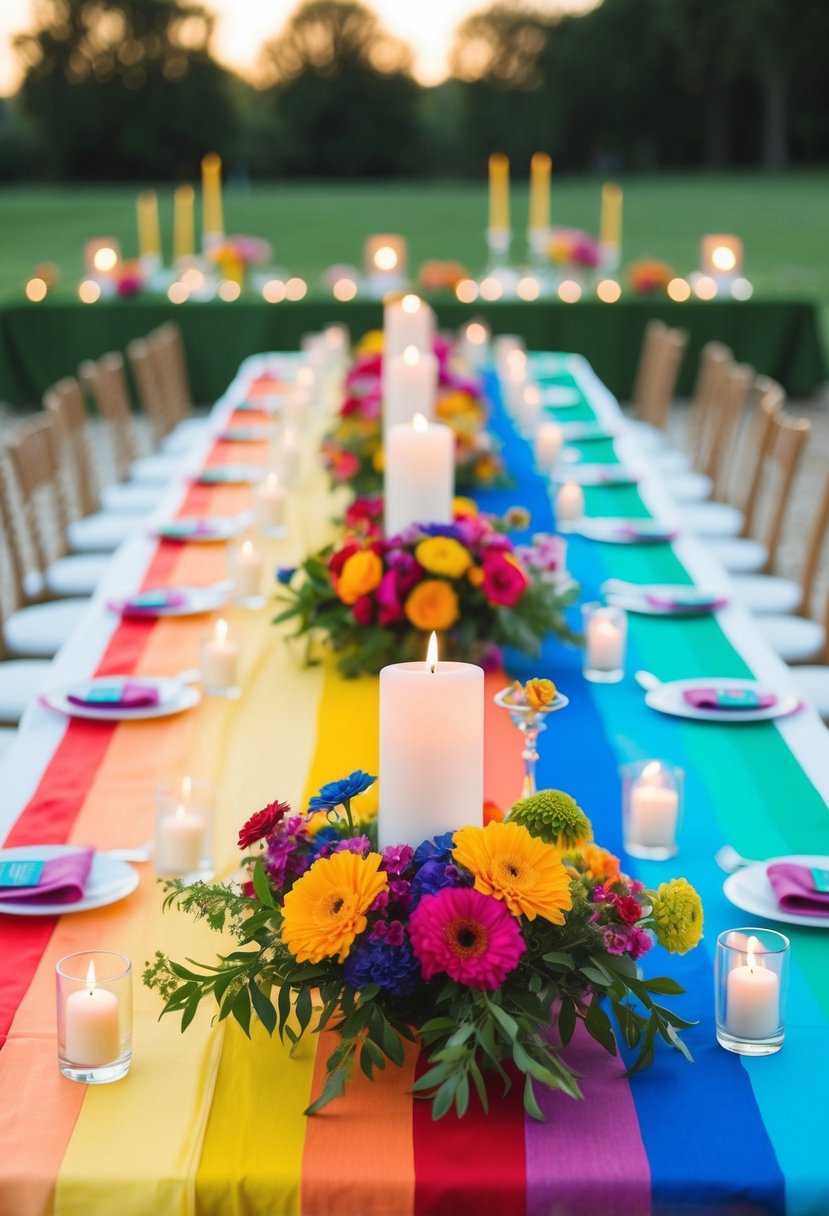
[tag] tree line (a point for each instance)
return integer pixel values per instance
(130, 90)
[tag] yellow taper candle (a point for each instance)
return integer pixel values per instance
(540, 169)
(211, 183)
(499, 191)
(610, 226)
(149, 235)
(183, 237)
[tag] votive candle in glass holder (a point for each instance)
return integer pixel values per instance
(194, 793)
(605, 630)
(247, 564)
(549, 440)
(751, 978)
(569, 503)
(651, 808)
(220, 663)
(183, 840)
(94, 1013)
(269, 495)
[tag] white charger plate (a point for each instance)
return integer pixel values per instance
(609, 529)
(582, 432)
(221, 528)
(634, 599)
(749, 888)
(197, 600)
(245, 434)
(230, 475)
(668, 699)
(610, 475)
(109, 880)
(175, 697)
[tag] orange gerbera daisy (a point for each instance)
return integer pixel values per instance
(325, 910)
(510, 864)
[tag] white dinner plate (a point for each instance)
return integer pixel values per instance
(582, 432)
(749, 888)
(174, 697)
(600, 475)
(197, 600)
(559, 396)
(614, 530)
(634, 599)
(668, 699)
(109, 880)
(215, 528)
(245, 434)
(230, 475)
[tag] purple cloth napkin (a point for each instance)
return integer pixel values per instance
(669, 604)
(126, 695)
(727, 699)
(647, 534)
(62, 881)
(794, 889)
(150, 603)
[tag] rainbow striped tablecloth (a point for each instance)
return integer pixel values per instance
(210, 1123)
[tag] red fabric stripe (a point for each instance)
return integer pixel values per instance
(448, 1155)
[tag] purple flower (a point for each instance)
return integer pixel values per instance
(433, 876)
(381, 961)
(450, 530)
(397, 858)
(639, 943)
(285, 856)
(354, 844)
(615, 939)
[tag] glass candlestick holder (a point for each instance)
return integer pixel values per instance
(750, 982)
(531, 723)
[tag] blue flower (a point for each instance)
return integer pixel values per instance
(394, 968)
(337, 793)
(433, 876)
(437, 849)
(284, 574)
(450, 530)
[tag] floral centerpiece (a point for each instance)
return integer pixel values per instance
(376, 599)
(649, 276)
(572, 250)
(234, 255)
(352, 451)
(486, 946)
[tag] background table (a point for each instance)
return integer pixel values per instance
(211, 1123)
(40, 343)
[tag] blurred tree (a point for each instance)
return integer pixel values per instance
(342, 95)
(125, 88)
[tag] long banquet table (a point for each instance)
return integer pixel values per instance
(207, 1122)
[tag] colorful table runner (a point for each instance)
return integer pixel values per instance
(210, 1123)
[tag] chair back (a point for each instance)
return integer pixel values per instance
(713, 363)
(151, 394)
(647, 368)
(790, 435)
(33, 455)
(165, 349)
(727, 407)
(770, 399)
(814, 546)
(106, 382)
(65, 403)
(12, 561)
(663, 389)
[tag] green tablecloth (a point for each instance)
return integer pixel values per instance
(39, 343)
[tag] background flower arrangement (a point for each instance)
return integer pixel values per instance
(649, 277)
(352, 450)
(376, 599)
(573, 249)
(473, 945)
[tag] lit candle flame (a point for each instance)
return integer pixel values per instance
(432, 653)
(247, 548)
(420, 424)
(221, 629)
(650, 773)
(385, 258)
(187, 788)
(180, 811)
(411, 356)
(90, 976)
(753, 947)
(410, 303)
(723, 258)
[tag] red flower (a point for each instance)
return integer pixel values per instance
(345, 466)
(365, 515)
(363, 610)
(504, 581)
(629, 909)
(263, 822)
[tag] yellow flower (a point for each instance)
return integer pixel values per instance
(677, 916)
(539, 693)
(432, 604)
(463, 506)
(371, 343)
(510, 864)
(378, 460)
(457, 403)
(487, 468)
(326, 909)
(443, 555)
(360, 574)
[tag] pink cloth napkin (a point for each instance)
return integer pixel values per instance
(118, 695)
(150, 603)
(794, 889)
(729, 699)
(669, 604)
(62, 881)
(647, 534)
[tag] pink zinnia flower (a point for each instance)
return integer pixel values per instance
(473, 938)
(504, 581)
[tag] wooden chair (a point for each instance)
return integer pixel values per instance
(686, 480)
(151, 394)
(647, 368)
(90, 530)
(50, 569)
(663, 387)
(167, 353)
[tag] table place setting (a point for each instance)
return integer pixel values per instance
(230, 475)
(55, 879)
(793, 889)
(663, 599)
(245, 434)
(623, 531)
(610, 475)
(210, 529)
(171, 601)
(559, 396)
(723, 699)
(124, 698)
(588, 432)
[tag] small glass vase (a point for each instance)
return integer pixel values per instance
(530, 722)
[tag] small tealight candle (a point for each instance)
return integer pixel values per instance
(569, 505)
(750, 983)
(549, 439)
(179, 842)
(651, 809)
(246, 566)
(270, 505)
(605, 637)
(220, 663)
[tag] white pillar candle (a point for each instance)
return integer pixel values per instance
(247, 564)
(410, 387)
(180, 842)
(220, 659)
(752, 998)
(605, 645)
(288, 454)
(419, 475)
(569, 503)
(653, 810)
(407, 322)
(93, 1036)
(270, 503)
(431, 750)
(549, 439)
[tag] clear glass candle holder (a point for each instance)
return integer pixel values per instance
(219, 664)
(605, 642)
(246, 568)
(184, 840)
(751, 980)
(271, 505)
(652, 796)
(93, 989)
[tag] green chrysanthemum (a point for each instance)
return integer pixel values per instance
(554, 817)
(677, 916)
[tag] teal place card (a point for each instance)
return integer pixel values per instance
(20, 873)
(821, 880)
